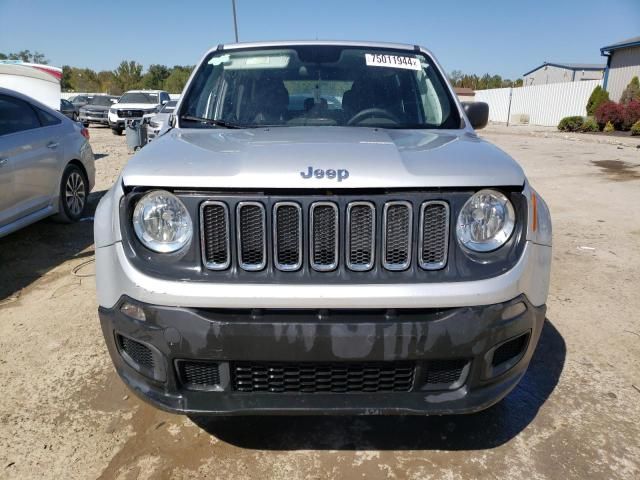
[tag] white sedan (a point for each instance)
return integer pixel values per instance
(46, 163)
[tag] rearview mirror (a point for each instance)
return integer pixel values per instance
(477, 113)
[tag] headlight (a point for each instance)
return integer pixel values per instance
(162, 223)
(486, 221)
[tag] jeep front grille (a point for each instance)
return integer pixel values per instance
(396, 241)
(252, 238)
(287, 236)
(324, 236)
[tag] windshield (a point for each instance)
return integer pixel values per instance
(169, 107)
(139, 97)
(102, 101)
(321, 86)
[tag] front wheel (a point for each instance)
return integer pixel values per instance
(74, 116)
(85, 124)
(116, 131)
(74, 190)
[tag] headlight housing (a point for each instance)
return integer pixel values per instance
(162, 222)
(486, 221)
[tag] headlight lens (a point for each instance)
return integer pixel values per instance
(486, 221)
(162, 223)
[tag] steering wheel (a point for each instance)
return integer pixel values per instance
(371, 112)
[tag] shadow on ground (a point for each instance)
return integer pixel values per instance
(484, 430)
(29, 253)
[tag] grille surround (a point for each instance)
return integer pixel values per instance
(199, 375)
(422, 232)
(323, 267)
(251, 266)
(396, 266)
(203, 236)
(285, 267)
(360, 267)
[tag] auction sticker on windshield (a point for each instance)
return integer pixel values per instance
(392, 61)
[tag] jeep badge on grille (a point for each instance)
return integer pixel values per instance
(341, 174)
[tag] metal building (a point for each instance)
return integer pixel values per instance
(550, 72)
(623, 63)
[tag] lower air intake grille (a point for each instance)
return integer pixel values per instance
(322, 377)
(439, 372)
(136, 351)
(198, 375)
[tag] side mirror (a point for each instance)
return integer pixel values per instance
(164, 102)
(477, 113)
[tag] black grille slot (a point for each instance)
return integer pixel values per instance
(397, 235)
(440, 372)
(322, 377)
(214, 218)
(198, 375)
(130, 113)
(140, 354)
(252, 251)
(361, 225)
(434, 236)
(324, 236)
(288, 236)
(509, 350)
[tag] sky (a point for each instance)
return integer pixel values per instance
(495, 36)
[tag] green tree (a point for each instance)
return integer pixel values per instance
(155, 77)
(109, 83)
(128, 75)
(631, 92)
(597, 97)
(83, 80)
(27, 56)
(3, 56)
(65, 82)
(176, 81)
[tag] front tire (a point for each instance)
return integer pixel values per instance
(116, 131)
(74, 117)
(74, 191)
(85, 124)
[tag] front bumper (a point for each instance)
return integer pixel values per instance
(419, 337)
(102, 120)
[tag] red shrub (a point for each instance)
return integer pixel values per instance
(631, 114)
(609, 112)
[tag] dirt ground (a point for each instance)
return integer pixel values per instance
(65, 414)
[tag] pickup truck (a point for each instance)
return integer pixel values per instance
(358, 251)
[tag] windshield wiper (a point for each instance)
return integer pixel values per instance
(210, 121)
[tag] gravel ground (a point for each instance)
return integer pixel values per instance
(65, 414)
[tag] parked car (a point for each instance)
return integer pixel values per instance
(157, 123)
(134, 104)
(96, 111)
(46, 163)
(80, 100)
(375, 258)
(68, 109)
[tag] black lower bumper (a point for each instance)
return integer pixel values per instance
(491, 347)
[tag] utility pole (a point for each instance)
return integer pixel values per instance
(235, 21)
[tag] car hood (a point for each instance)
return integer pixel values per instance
(350, 157)
(135, 106)
(95, 108)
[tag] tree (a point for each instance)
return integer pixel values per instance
(597, 98)
(27, 56)
(631, 92)
(65, 82)
(109, 83)
(176, 81)
(155, 77)
(128, 75)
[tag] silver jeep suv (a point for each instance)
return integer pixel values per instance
(358, 249)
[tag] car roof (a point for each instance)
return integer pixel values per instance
(144, 91)
(339, 43)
